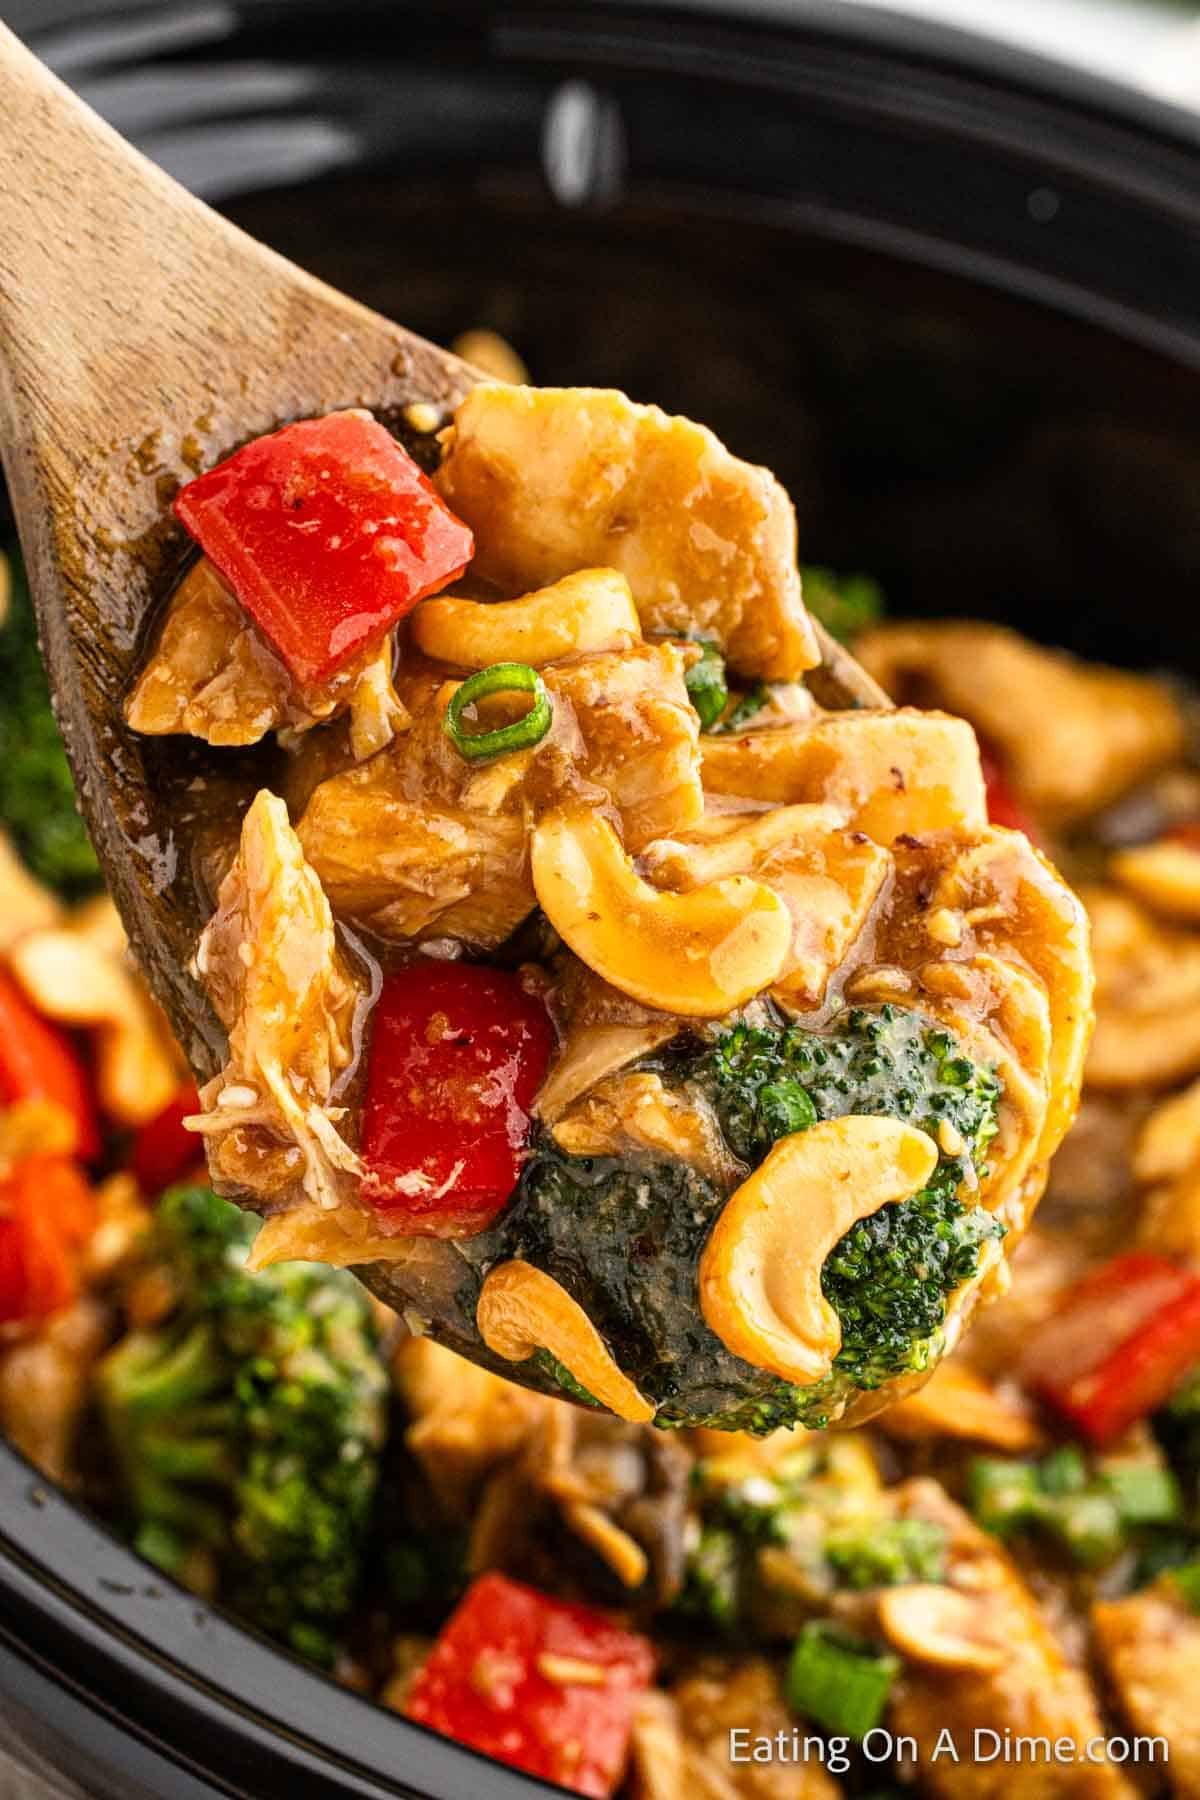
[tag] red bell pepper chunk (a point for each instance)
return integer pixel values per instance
(457, 1054)
(38, 1061)
(163, 1150)
(546, 1686)
(328, 533)
(1002, 804)
(47, 1212)
(1121, 1341)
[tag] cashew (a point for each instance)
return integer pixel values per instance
(1166, 876)
(828, 879)
(698, 955)
(492, 354)
(940, 1625)
(76, 983)
(760, 1273)
(522, 1309)
(591, 610)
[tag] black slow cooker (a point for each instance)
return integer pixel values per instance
(950, 294)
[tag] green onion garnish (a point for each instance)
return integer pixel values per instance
(705, 683)
(1145, 1495)
(839, 1681)
(522, 734)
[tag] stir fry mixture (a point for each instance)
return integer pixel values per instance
(694, 1051)
(674, 1046)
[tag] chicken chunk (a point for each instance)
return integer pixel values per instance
(419, 842)
(892, 773)
(289, 1001)
(682, 1740)
(1072, 735)
(1010, 1675)
(557, 479)
(212, 675)
(1149, 1646)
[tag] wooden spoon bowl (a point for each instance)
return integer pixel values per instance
(142, 339)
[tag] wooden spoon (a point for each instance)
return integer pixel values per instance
(142, 338)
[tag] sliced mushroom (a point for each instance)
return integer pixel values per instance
(760, 1272)
(590, 610)
(636, 1110)
(940, 1625)
(522, 1310)
(699, 955)
(592, 1053)
(893, 774)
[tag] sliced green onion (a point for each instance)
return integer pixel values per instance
(705, 683)
(748, 707)
(1064, 1471)
(1088, 1526)
(839, 1681)
(1003, 1495)
(1144, 1495)
(522, 734)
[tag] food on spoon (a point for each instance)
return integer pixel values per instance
(701, 1052)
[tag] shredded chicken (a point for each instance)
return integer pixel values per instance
(213, 675)
(557, 479)
(1029, 1689)
(1149, 1647)
(1072, 735)
(419, 843)
(288, 1000)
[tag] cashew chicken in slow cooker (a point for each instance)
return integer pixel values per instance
(654, 1036)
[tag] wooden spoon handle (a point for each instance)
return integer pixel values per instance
(114, 281)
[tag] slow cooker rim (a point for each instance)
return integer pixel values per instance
(68, 1588)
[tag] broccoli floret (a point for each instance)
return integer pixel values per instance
(845, 604)
(888, 1552)
(246, 1428)
(1090, 1515)
(634, 1270)
(37, 794)
(890, 1276)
